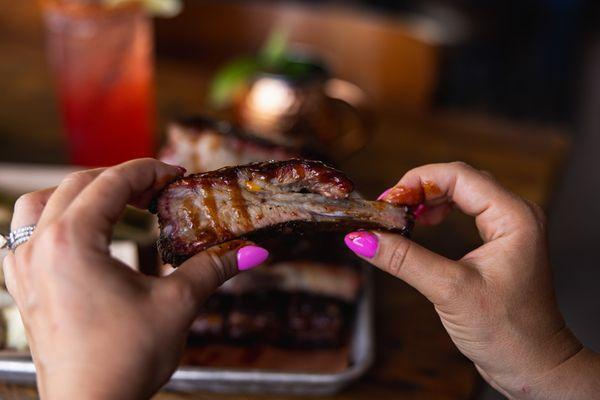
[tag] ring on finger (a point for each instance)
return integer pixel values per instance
(16, 237)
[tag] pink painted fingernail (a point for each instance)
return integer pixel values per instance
(382, 195)
(249, 257)
(420, 210)
(362, 243)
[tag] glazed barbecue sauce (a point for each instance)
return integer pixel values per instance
(277, 173)
(301, 170)
(206, 189)
(238, 203)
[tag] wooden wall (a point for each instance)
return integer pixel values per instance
(394, 59)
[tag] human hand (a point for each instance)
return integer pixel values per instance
(497, 302)
(96, 328)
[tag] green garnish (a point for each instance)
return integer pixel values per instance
(230, 79)
(273, 57)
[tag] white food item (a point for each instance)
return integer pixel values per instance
(6, 299)
(127, 252)
(15, 330)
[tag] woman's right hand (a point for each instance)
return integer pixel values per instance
(96, 328)
(497, 302)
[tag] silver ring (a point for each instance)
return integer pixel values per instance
(16, 237)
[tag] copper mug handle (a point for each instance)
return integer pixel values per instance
(358, 105)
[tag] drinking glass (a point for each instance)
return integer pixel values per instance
(102, 61)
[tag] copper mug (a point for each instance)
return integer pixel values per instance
(308, 110)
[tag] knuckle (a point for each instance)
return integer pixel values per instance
(149, 160)
(487, 173)
(395, 256)
(180, 291)
(113, 174)
(56, 238)
(219, 267)
(78, 178)
(27, 200)
(489, 177)
(22, 200)
(532, 217)
(112, 179)
(61, 229)
(146, 162)
(460, 165)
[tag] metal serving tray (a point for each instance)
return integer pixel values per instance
(20, 370)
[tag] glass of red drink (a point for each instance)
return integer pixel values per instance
(102, 60)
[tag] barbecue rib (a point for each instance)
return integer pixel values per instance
(250, 201)
(340, 282)
(201, 144)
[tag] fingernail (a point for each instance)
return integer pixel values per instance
(182, 170)
(362, 243)
(249, 257)
(419, 210)
(382, 195)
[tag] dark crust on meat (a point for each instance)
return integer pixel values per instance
(265, 168)
(335, 183)
(170, 256)
(271, 169)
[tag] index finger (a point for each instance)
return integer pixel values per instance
(497, 211)
(102, 202)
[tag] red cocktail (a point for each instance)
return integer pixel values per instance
(102, 60)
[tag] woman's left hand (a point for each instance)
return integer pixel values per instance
(96, 328)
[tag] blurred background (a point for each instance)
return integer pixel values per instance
(510, 86)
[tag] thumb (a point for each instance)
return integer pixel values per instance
(435, 276)
(202, 274)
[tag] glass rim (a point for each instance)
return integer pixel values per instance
(90, 9)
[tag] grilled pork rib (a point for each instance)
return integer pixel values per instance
(340, 282)
(250, 201)
(202, 144)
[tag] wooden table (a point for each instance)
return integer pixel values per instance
(415, 357)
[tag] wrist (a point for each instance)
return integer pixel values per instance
(576, 378)
(75, 388)
(531, 374)
(88, 384)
